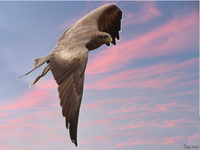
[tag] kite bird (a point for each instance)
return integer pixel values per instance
(68, 59)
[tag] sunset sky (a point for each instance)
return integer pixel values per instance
(142, 94)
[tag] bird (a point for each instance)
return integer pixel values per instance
(68, 60)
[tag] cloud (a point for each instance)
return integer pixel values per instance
(109, 101)
(122, 134)
(156, 76)
(32, 113)
(169, 123)
(185, 93)
(171, 140)
(173, 37)
(153, 139)
(123, 106)
(30, 99)
(194, 138)
(48, 83)
(143, 120)
(163, 107)
(129, 107)
(127, 116)
(142, 137)
(148, 11)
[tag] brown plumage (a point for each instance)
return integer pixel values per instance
(68, 60)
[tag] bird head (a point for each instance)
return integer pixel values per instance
(98, 39)
(105, 38)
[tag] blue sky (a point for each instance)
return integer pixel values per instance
(141, 94)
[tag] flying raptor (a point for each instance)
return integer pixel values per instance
(67, 61)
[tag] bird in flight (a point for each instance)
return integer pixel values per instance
(68, 60)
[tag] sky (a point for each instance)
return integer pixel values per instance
(142, 93)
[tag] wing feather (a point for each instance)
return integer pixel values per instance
(110, 22)
(106, 18)
(69, 75)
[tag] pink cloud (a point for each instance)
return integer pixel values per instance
(127, 106)
(128, 144)
(128, 15)
(170, 123)
(158, 140)
(131, 126)
(149, 10)
(127, 116)
(159, 108)
(46, 84)
(10, 147)
(156, 76)
(165, 106)
(112, 101)
(3, 114)
(93, 124)
(141, 132)
(189, 92)
(29, 99)
(171, 140)
(172, 37)
(28, 125)
(30, 121)
(151, 124)
(194, 138)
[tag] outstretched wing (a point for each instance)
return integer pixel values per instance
(110, 22)
(68, 60)
(106, 18)
(68, 71)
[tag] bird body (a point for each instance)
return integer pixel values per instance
(68, 59)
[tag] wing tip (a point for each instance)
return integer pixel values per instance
(75, 142)
(73, 138)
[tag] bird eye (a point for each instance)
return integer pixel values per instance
(103, 36)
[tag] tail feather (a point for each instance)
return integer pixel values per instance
(46, 69)
(39, 62)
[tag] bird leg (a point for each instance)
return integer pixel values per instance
(46, 69)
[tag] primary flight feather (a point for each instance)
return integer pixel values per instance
(68, 59)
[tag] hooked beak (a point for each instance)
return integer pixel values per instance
(109, 39)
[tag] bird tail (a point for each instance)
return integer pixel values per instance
(39, 62)
(46, 69)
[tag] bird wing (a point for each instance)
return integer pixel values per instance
(110, 22)
(106, 18)
(68, 60)
(68, 70)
